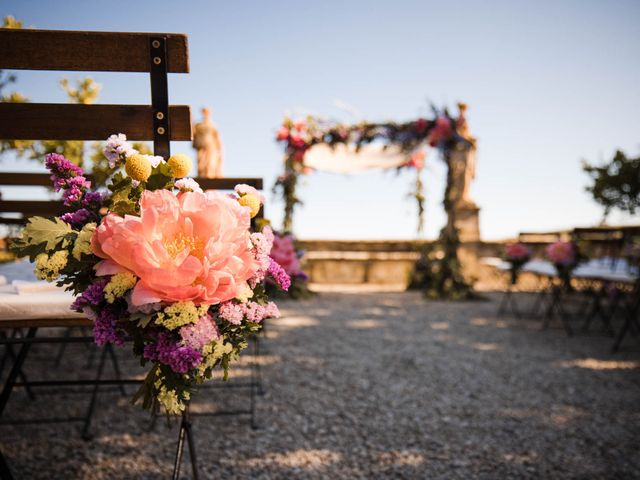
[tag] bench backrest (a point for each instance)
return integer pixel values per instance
(155, 53)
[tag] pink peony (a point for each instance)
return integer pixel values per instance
(284, 253)
(192, 247)
(562, 253)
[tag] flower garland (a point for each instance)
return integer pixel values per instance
(298, 136)
(158, 261)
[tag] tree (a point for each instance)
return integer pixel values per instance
(616, 185)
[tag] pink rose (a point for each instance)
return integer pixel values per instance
(297, 141)
(284, 253)
(283, 133)
(192, 247)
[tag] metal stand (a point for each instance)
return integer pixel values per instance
(508, 300)
(185, 431)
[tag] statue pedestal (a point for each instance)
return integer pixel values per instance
(468, 223)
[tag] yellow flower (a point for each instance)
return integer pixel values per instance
(119, 284)
(245, 294)
(169, 399)
(48, 267)
(138, 167)
(252, 202)
(180, 165)
(83, 241)
(212, 353)
(179, 314)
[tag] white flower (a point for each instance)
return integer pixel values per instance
(155, 160)
(188, 185)
(118, 149)
(244, 189)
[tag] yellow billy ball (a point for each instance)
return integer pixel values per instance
(138, 167)
(180, 165)
(252, 202)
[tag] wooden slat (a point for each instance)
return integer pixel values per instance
(44, 180)
(228, 183)
(52, 121)
(33, 207)
(87, 51)
(45, 322)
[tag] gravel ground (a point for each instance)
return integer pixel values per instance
(370, 385)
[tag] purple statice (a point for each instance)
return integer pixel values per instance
(61, 169)
(180, 358)
(117, 149)
(279, 275)
(93, 199)
(68, 177)
(106, 330)
(77, 218)
(92, 296)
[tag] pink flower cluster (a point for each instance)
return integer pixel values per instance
(199, 334)
(417, 160)
(441, 131)
(517, 252)
(562, 253)
(234, 312)
(292, 133)
(284, 252)
(262, 243)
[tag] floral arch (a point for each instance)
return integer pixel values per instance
(315, 144)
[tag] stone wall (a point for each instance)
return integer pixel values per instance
(382, 262)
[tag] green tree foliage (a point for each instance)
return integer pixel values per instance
(616, 184)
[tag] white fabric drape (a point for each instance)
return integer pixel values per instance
(344, 158)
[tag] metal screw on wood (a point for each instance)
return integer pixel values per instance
(159, 115)
(160, 130)
(155, 44)
(157, 60)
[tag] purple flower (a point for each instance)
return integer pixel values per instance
(93, 198)
(105, 329)
(92, 296)
(181, 359)
(117, 147)
(279, 275)
(77, 218)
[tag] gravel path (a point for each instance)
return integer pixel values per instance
(372, 385)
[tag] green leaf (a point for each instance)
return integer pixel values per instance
(43, 230)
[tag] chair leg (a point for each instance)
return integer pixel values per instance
(116, 368)
(185, 432)
(63, 346)
(86, 435)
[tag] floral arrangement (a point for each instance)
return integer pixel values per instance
(298, 136)
(285, 254)
(160, 262)
(565, 257)
(517, 254)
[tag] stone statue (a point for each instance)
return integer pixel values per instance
(206, 141)
(463, 160)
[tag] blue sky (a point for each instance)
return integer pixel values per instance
(548, 83)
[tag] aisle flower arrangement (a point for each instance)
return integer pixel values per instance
(160, 262)
(517, 254)
(285, 254)
(565, 257)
